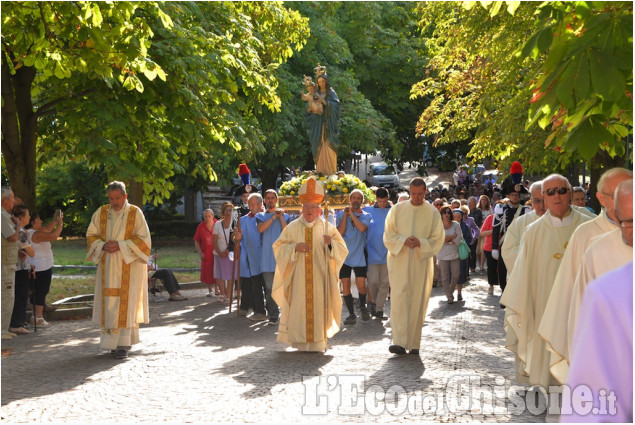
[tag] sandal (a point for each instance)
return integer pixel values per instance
(177, 297)
(221, 300)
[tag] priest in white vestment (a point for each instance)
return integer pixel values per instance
(558, 306)
(413, 234)
(606, 252)
(511, 246)
(119, 243)
(543, 246)
(309, 254)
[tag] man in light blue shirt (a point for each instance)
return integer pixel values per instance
(378, 282)
(353, 224)
(270, 225)
(252, 284)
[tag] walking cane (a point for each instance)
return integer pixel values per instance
(237, 280)
(236, 262)
(32, 287)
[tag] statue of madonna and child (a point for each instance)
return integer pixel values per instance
(322, 117)
(323, 121)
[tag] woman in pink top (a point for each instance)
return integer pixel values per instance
(203, 242)
(492, 264)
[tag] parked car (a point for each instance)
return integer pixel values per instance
(381, 174)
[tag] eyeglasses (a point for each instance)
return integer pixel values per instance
(560, 190)
(626, 224)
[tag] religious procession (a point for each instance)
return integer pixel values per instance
(472, 271)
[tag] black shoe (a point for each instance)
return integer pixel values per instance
(397, 349)
(380, 315)
(414, 351)
(373, 312)
(121, 354)
(365, 315)
(351, 320)
(460, 297)
(273, 320)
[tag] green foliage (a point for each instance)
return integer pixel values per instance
(389, 57)
(73, 188)
(218, 61)
(351, 39)
(584, 93)
(101, 40)
(476, 87)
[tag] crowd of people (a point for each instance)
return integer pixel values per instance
(543, 250)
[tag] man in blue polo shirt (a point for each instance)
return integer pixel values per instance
(353, 224)
(252, 283)
(270, 225)
(378, 282)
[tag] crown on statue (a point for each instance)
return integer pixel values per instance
(308, 81)
(320, 70)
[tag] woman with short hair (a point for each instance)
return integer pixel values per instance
(40, 237)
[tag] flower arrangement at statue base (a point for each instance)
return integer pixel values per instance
(337, 187)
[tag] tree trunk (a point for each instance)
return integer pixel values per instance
(19, 131)
(600, 163)
(269, 178)
(190, 205)
(135, 193)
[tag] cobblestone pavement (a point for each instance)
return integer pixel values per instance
(196, 363)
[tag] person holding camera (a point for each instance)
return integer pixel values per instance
(224, 251)
(40, 237)
(18, 316)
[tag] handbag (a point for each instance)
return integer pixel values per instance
(464, 250)
(231, 245)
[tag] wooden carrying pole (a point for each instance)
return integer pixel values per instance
(236, 266)
(327, 270)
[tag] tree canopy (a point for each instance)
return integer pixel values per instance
(80, 66)
(550, 83)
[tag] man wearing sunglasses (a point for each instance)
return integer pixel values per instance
(541, 252)
(562, 300)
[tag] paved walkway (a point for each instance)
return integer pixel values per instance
(198, 364)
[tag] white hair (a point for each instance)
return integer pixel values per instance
(255, 195)
(6, 192)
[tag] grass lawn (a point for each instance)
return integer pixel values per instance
(171, 254)
(68, 283)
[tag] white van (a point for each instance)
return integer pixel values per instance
(381, 174)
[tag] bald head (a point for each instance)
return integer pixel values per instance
(612, 177)
(624, 210)
(607, 185)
